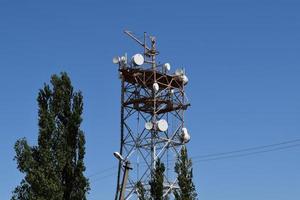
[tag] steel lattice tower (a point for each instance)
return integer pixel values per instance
(151, 96)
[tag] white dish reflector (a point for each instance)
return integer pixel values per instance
(162, 125)
(123, 59)
(185, 136)
(167, 66)
(148, 126)
(155, 87)
(138, 59)
(116, 59)
(185, 79)
(179, 72)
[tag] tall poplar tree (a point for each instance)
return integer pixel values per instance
(53, 169)
(156, 184)
(184, 170)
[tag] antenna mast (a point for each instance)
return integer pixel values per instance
(151, 93)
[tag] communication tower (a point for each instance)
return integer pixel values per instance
(153, 103)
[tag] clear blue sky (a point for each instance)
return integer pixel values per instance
(242, 58)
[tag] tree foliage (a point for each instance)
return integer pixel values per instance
(141, 191)
(53, 169)
(156, 184)
(183, 168)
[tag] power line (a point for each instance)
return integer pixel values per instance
(247, 154)
(247, 149)
(240, 155)
(222, 155)
(102, 171)
(104, 177)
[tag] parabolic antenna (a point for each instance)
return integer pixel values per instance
(155, 87)
(179, 72)
(185, 79)
(148, 126)
(123, 59)
(167, 66)
(138, 59)
(185, 136)
(162, 125)
(116, 59)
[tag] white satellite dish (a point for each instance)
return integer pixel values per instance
(167, 66)
(123, 59)
(116, 59)
(148, 126)
(155, 87)
(185, 79)
(162, 125)
(179, 72)
(138, 59)
(185, 136)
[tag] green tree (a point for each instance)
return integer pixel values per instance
(141, 191)
(156, 184)
(53, 169)
(184, 170)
